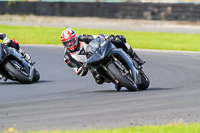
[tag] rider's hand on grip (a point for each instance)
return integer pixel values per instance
(27, 56)
(82, 71)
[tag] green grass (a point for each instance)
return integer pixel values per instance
(177, 128)
(142, 40)
(170, 128)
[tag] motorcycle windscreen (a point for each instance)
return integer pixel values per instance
(105, 48)
(92, 51)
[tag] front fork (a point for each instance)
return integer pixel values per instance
(113, 79)
(28, 67)
(125, 72)
(133, 70)
(119, 64)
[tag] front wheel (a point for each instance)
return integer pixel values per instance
(18, 74)
(122, 79)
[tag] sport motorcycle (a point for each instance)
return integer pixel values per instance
(14, 66)
(115, 66)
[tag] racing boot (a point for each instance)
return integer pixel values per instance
(97, 77)
(135, 57)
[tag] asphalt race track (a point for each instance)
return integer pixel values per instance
(64, 101)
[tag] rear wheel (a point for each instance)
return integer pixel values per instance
(122, 79)
(15, 72)
(36, 76)
(144, 82)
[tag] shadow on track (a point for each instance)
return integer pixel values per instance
(18, 83)
(125, 90)
(157, 88)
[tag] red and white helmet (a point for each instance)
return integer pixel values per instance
(69, 39)
(15, 41)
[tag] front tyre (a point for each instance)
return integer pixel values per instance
(122, 79)
(17, 73)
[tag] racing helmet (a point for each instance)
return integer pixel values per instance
(69, 39)
(14, 43)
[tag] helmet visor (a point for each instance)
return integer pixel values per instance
(70, 43)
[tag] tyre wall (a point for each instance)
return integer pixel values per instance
(150, 11)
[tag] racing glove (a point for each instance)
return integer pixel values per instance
(25, 55)
(82, 71)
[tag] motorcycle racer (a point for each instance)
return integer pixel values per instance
(75, 51)
(14, 44)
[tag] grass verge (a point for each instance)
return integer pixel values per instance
(142, 40)
(174, 128)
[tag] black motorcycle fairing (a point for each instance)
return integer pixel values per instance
(17, 56)
(97, 50)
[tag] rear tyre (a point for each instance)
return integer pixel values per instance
(123, 80)
(17, 73)
(36, 76)
(145, 82)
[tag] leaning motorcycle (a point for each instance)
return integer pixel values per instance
(115, 66)
(15, 67)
